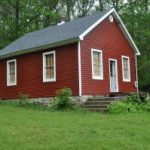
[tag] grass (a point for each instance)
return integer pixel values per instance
(33, 129)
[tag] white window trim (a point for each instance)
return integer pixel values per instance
(126, 80)
(97, 77)
(44, 75)
(8, 78)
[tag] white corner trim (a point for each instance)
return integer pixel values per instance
(44, 64)
(95, 24)
(136, 73)
(79, 69)
(8, 77)
(121, 25)
(126, 80)
(102, 68)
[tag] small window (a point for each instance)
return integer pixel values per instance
(49, 67)
(126, 68)
(11, 73)
(97, 64)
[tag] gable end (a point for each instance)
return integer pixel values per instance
(121, 26)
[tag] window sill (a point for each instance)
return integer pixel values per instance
(97, 78)
(126, 80)
(10, 84)
(49, 80)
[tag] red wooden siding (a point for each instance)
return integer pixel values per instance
(30, 74)
(110, 39)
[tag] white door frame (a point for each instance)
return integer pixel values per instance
(117, 82)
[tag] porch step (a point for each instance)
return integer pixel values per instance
(100, 103)
(116, 94)
(96, 109)
(89, 102)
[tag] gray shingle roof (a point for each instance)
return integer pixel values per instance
(53, 34)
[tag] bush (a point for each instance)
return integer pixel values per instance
(62, 100)
(121, 107)
(134, 98)
(146, 107)
(23, 100)
(0, 101)
(132, 103)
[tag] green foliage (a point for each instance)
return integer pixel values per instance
(144, 73)
(23, 100)
(132, 103)
(121, 107)
(62, 100)
(134, 98)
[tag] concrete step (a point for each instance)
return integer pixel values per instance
(96, 109)
(100, 103)
(115, 94)
(97, 102)
(94, 106)
(106, 98)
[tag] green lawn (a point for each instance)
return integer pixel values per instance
(32, 129)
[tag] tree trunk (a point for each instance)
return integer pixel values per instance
(17, 17)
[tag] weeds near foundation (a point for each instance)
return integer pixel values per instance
(23, 100)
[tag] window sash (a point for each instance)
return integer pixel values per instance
(49, 67)
(126, 68)
(11, 72)
(97, 67)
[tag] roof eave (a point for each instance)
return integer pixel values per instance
(40, 48)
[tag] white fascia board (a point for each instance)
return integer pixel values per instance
(95, 24)
(121, 25)
(126, 33)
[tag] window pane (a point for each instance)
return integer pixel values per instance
(49, 66)
(49, 60)
(97, 63)
(126, 68)
(49, 73)
(12, 72)
(12, 77)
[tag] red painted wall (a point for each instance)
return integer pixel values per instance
(109, 38)
(106, 37)
(29, 74)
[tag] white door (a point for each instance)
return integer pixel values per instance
(113, 75)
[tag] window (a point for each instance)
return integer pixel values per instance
(49, 67)
(11, 73)
(126, 68)
(97, 64)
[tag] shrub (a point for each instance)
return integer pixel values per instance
(23, 100)
(62, 100)
(132, 103)
(146, 106)
(121, 107)
(134, 98)
(143, 96)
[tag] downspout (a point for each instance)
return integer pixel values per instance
(79, 69)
